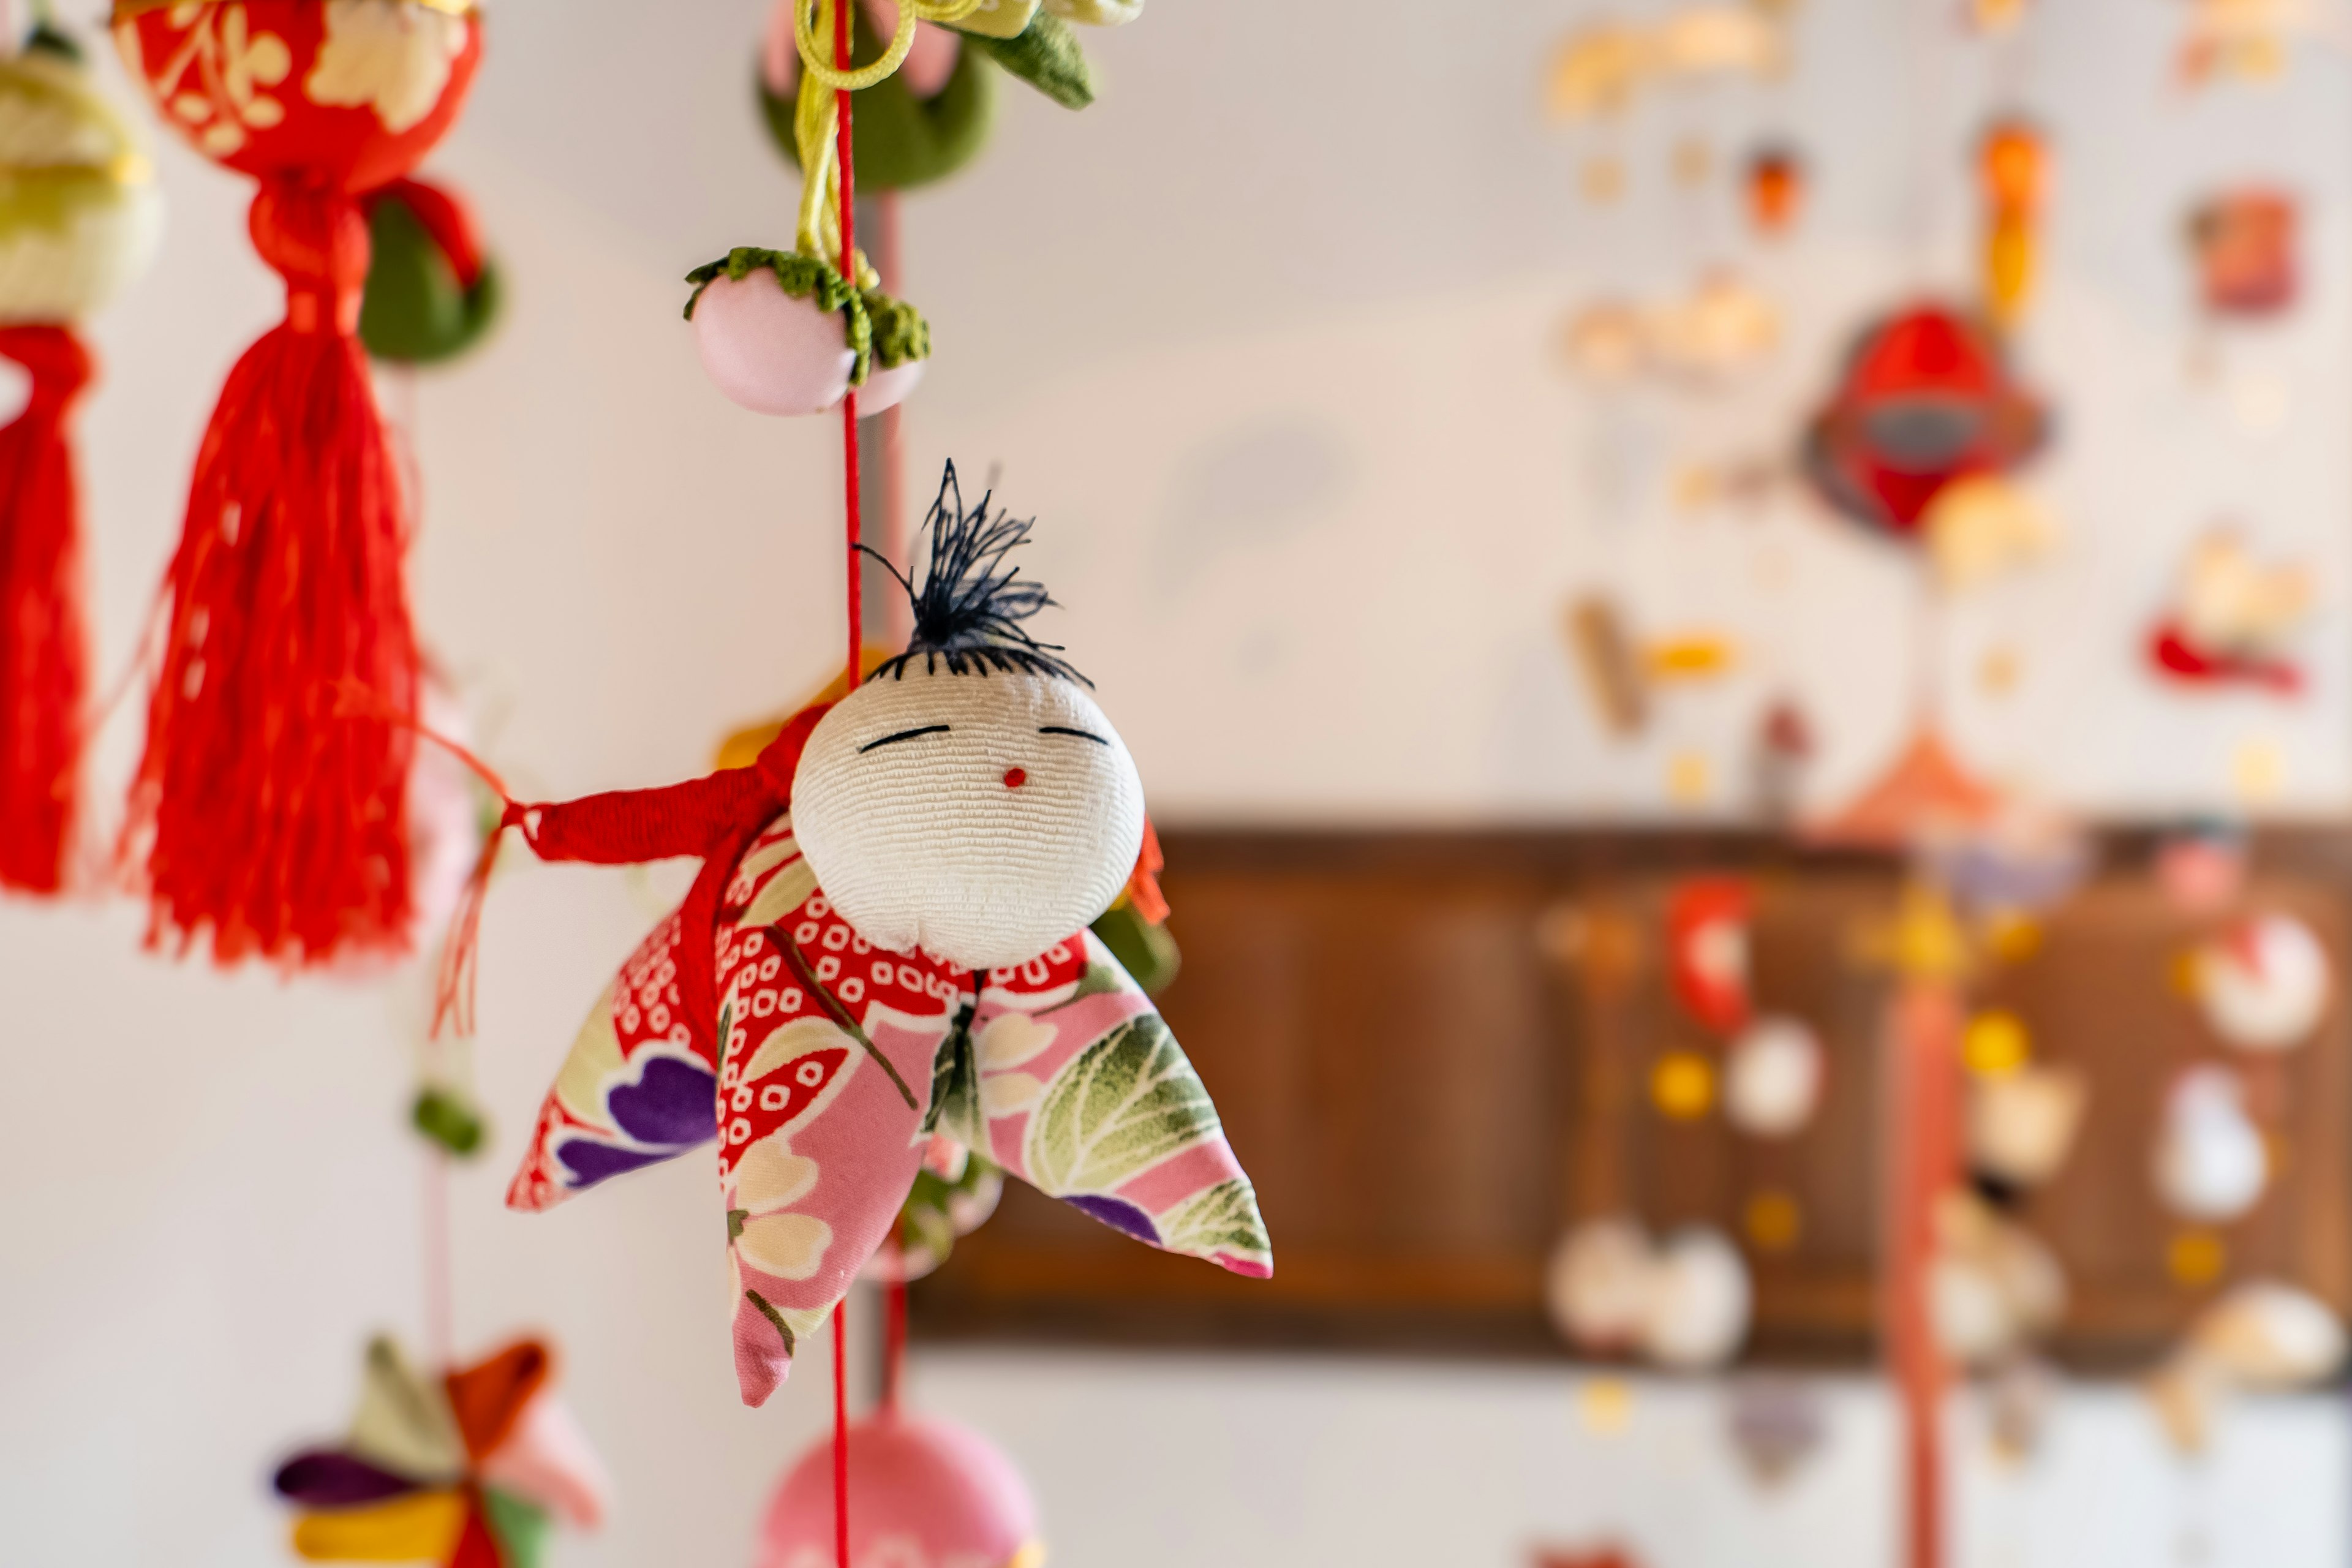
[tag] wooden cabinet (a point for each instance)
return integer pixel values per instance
(1434, 1052)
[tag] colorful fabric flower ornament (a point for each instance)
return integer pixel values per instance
(78, 219)
(923, 1493)
(1926, 399)
(432, 289)
(470, 1471)
(268, 811)
(888, 942)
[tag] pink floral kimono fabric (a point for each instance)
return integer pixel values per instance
(838, 1062)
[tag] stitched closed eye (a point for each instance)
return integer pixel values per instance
(1065, 729)
(903, 735)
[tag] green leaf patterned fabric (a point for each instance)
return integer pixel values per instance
(1130, 1101)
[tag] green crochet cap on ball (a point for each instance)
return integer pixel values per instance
(414, 311)
(874, 327)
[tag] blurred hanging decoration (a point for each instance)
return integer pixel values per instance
(1926, 796)
(1776, 188)
(1781, 754)
(2013, 162)
(2264, 983)
(1707, 949)
(1994, 1289)
(2233, 618)
(2264, 1336)
(2022, 1121)
(268, 813)
(1776, 1423)
(1683, 1303)
(433, 291)
(1624, 674)
(81, 224)
(1984, 527)
(1598, 71)
(1606, 1556)
(2201, 866)
(2213, 1162)
(923, 1493)
(2245, 244)
(1925, 400)
(1723, 327)
(1995, 18)
(2250, 40)
(1773, 1076)
(470, 1470)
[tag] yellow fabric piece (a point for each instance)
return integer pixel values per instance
(1000, 18)
(403, 1422)
(420, 1528)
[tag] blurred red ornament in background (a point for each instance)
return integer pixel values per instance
(2245, 243)
(269, 809)
(1926, 398)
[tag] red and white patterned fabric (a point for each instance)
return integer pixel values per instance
(831, 1064)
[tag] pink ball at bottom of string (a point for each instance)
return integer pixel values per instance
(923, 1493)
(774, 354)
(769, 352)
(888, 388)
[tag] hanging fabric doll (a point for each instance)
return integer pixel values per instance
(80, 224)
(467, 1470)
(269, 808)
(888, 941)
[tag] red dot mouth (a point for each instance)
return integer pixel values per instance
(1015, 777)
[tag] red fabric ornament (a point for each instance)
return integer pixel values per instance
(1926, 399)
(43, 653)
(1707, 951)
(269, 808)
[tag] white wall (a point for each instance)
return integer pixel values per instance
(1232, 334)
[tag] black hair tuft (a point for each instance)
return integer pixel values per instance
(969, 611)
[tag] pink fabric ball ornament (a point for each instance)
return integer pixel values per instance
(923, 1493)
(888, 388)
(769, 352)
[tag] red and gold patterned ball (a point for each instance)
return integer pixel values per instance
(350, 93)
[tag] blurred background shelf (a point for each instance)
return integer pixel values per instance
(1436, 1051)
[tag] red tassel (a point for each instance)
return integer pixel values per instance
(43, 648)
(269, 809)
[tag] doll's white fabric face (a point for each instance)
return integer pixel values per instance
(981, 817)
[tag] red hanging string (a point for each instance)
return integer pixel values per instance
(841, 1434)
(842, 152)
(852, 500)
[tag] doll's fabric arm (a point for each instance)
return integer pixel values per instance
(1085, 1096)
(625, 827)
(636, 1089)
